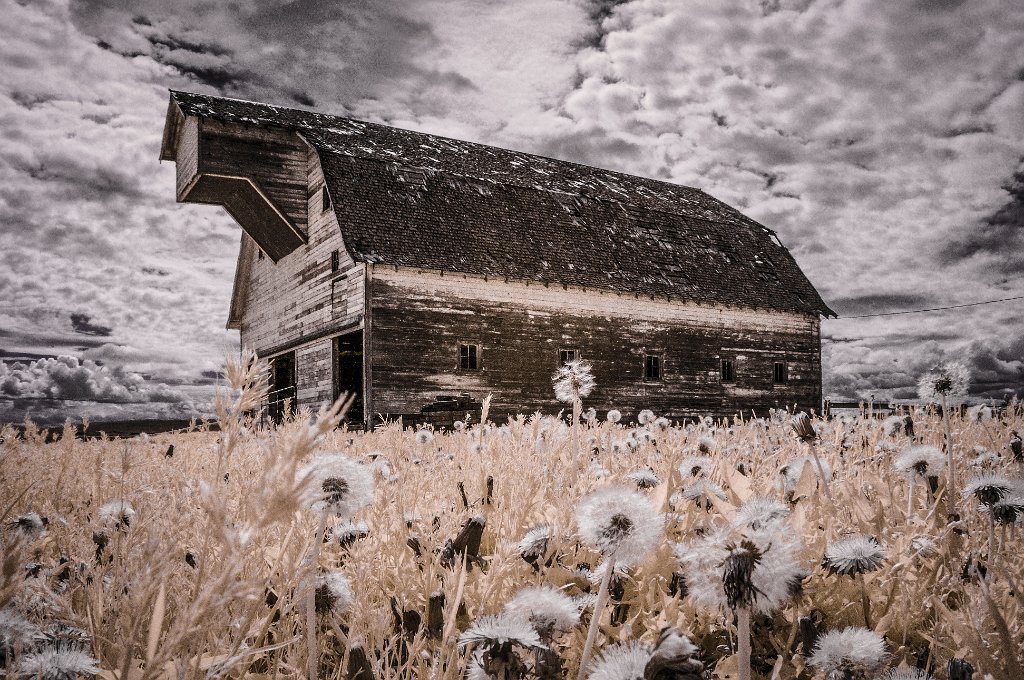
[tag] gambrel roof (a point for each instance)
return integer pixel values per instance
(418, 200)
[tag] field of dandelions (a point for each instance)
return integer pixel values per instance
(786, 547)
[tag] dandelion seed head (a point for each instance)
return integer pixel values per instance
(502, 628)
(614, 416)
(892, 426)
(989, 488)
(696, 466)
(117, 513)
(623, 661)
(424, 437)
(534, 544)
(620, 523)
(645, 416)
(843, 653)
(548, 609)
(923, 461)
(644, 478)
(346, 531)
(60, 662)
(770, 581)
(924, 545)
(573, 380)
(706, 444)
(792, 470)
(475, 668)
(30, 524)
(662, 423)
(853, 555)
(16, 631)
(333, 593)
(759, 512)
(950, 380)
(700, 492)
(979, 414)
(458, 426)
(337, 484)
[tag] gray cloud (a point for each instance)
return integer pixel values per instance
(65, 377)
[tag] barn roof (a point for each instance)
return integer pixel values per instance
(413, 199)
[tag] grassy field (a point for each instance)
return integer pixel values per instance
(233, 553)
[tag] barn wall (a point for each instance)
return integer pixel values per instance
(419, 319)
(299, 303)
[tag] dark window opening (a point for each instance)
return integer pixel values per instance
(326, 199)
(567, 355)
(259, 253)
(728, 371)
(335, 262)
(469, 357)
(779, 373)
(652, 367)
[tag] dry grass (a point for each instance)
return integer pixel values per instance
(229, 504)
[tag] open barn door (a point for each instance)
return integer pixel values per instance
(348, 374)
(281, 399)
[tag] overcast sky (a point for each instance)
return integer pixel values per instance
(884, 141)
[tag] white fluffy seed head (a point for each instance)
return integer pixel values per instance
(620, 523)
(574, 380)
(759, 512)
(614, 416)
(56, 663)
(502, 628)
(853, 555)
(696, 466)
(854, 649)
(773, 578)
(333, 593)
(624, 661)
(119, 513)
(922, 461)
(950, 379)
(337, 484)
(645, 416)
(548, 609)
(424, 437)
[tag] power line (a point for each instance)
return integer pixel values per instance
(935, 309)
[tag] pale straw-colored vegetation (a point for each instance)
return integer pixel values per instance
(211, 574)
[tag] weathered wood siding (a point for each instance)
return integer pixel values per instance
(276, 160)
(418, 320)
(299, 304)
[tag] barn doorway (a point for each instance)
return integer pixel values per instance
(281, 398)
(348, 374)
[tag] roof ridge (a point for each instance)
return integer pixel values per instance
(502, 149)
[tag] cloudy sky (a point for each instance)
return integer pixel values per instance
(883, 140)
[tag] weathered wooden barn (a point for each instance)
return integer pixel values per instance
(423, 273)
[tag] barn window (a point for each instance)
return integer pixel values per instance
(469, 357)
(326, 197)
(728, 371)
(567, 355)
(780, 373)
(652, 367)
(335, 262)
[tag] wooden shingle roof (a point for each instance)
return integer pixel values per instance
(413, 199)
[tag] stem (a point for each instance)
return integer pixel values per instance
(577, 407)
(910, 497)
(602, 596)
(821, 474)
(743, 642)
(991, 539)
(865, 602)
(312, 661)
(949, 454)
